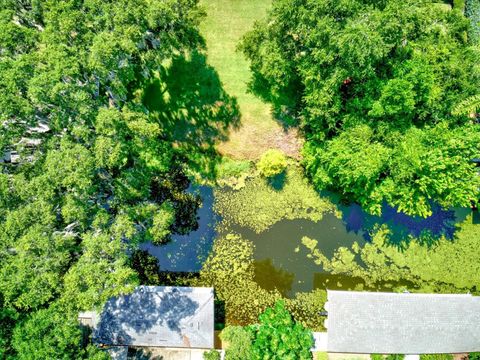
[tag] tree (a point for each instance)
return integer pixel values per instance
(371, 76)
(100, 169)
(47, 334)
(146, 266)
(271, 163)
(279, 337)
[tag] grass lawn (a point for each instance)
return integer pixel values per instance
(226, 22)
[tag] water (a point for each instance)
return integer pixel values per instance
(186, 253)
(281, 260)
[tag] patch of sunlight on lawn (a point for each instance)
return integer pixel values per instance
(226, 22)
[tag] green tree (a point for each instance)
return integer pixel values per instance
(100, 169)
(370, 77)
(48, 334)
(278, 337)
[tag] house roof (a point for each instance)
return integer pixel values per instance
(158, 316)
(374, 322)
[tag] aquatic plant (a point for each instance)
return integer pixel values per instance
(259, 205)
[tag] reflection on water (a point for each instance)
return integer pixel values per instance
(273, 278)
(282, 262)
(186, 253)
(441, 222)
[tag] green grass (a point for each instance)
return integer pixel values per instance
(226, 22)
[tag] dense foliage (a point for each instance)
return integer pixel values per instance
(374, 85)
(238, 341)
(101, 161)
(211, 355)
(277, 336)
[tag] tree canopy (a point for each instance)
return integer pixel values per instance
(379, 89)
(104, 129)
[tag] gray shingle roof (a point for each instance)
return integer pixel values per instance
(158, 316)
(368, 322)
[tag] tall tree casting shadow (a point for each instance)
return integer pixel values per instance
(192, 108)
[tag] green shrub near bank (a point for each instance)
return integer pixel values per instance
(276, 336)
(238, 343)
(233, 173)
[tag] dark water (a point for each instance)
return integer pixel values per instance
(281, 260)
(188, 252)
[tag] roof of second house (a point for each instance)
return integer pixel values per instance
(158, 316)
(374, 322)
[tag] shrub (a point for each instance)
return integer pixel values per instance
(436, 357)
(272, 162)
(239, 341)
(232, 168)
(211, 355)
(279, 337)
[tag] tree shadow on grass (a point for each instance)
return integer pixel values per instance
(193, 109)
(285, 104)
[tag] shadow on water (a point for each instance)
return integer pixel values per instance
(440, 223)
(283, 262)
(273, 278)
(277, 182)
(186, 253)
